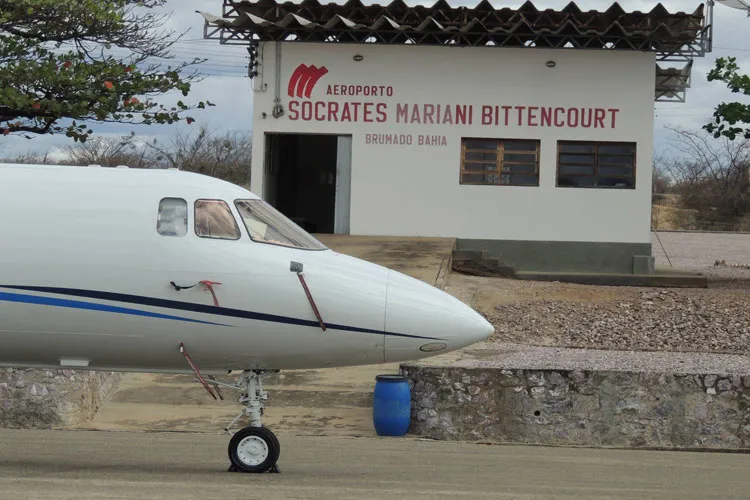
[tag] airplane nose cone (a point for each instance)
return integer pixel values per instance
(422, 320)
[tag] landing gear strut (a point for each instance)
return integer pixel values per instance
(253, 448)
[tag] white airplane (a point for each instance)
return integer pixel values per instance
(166, 271)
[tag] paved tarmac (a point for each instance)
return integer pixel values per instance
(697, 250)
(87, 465)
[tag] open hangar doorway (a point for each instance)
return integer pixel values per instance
(307, 177)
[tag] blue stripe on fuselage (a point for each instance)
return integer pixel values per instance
(202, 308)
(90, 306)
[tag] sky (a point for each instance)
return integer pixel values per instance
(226, 83)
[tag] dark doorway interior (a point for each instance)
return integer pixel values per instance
(300, 178)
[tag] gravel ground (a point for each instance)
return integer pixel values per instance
(518, 356)
(716, 319)
(651, 319)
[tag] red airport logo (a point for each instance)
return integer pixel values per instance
(303, 80)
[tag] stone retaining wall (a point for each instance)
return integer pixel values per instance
(52, 398)
(582, 408)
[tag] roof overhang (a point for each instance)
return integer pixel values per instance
(676, 37)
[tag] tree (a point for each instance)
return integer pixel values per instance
(712, 177)
(80, 61)
(30, 158)
(728, 115)
(660, 179)
(108, 151)
(227, 156)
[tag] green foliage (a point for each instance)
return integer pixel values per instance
(86, 61)
(728, 115)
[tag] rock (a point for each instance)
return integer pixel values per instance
(724, 385)
(535, 379)
(710, 380)
(538, 391)
(38, 390)
(577, 377)
(556, 379)
(558, 391)
(44, 398)
(628, 407)
(701, 412)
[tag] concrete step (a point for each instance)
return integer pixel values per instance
(469, 255)
(488, 268)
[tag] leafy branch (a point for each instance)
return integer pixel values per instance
(87, 61)
(728, 115)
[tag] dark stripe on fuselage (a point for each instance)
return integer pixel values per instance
(202, 308)
(90, 306)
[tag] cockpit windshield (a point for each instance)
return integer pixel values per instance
(265, 224)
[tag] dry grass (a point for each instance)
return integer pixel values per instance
(667, 214)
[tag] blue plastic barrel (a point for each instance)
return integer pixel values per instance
(391, 408)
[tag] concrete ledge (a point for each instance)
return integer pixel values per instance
(52, 398)
(660, 279)
(549, 396)
(558, 256)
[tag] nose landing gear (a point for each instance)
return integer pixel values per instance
(254, 448)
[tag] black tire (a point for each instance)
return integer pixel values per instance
(262, 437)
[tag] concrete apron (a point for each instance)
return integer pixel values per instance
(509, 393)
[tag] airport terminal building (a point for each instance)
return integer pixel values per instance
(527, 133)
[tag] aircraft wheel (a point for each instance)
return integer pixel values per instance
(254, 449)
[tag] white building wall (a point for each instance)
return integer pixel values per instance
(414, 190)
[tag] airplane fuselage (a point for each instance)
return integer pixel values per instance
(94, 275)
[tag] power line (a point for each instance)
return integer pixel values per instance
(165, 62)
(680, 108)
(732, 48)
(687, 114)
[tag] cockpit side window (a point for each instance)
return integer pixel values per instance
(214, 219)
(265, 224)
(171, 219)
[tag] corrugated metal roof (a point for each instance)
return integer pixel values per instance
(674, 36)
(657, 30)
